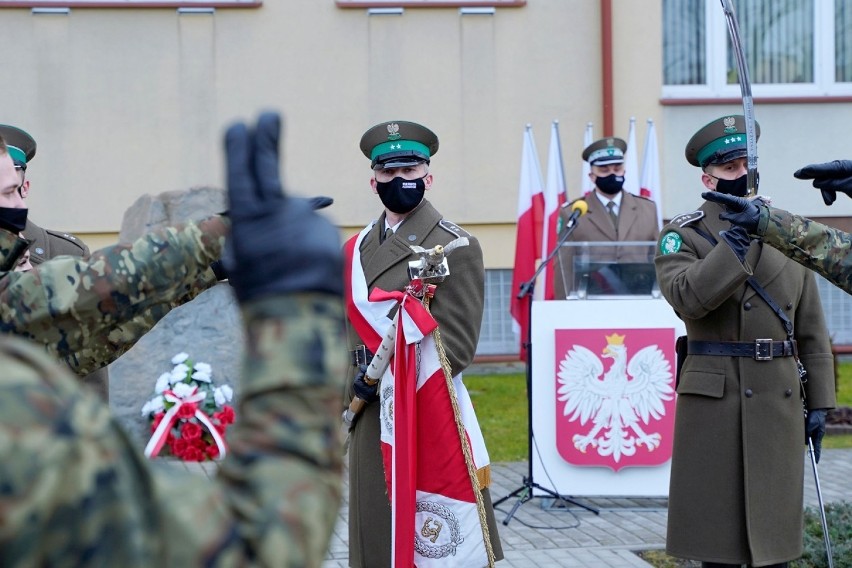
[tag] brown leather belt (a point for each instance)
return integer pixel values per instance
(360, 356)
(759, 349)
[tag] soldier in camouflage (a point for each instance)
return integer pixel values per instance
(73, 492)
(821, 248)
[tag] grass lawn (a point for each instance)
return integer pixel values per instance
(501, 407)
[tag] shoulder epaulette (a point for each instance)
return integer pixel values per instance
(685, 219)
(67, 237)
(452, 228)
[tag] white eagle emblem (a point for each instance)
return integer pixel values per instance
(619, 402)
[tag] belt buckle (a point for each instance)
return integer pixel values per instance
(359, 355)
(763, 349)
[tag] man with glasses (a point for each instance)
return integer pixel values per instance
(613, 215)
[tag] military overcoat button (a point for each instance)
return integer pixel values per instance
(788, 393)
(748, 393)
(789, 305)
(747, 306)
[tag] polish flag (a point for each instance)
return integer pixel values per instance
(432, 447)
(650, 184)
(631, 161)
(555, 195)
(586, 184)
(528, 241)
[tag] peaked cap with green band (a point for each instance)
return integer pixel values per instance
(22, 146)
(398, 143)
(609, 150)
(719, 142)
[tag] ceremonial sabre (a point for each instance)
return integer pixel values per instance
(430, 267)
(822, 518)
(745, 90)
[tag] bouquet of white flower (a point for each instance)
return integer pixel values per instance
(188, 414)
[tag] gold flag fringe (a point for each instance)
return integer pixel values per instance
(479, 479)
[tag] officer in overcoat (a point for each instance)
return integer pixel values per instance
(632, 218)
(738, 460)
(400, 153)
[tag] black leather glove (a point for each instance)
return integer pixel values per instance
(365, 392)
(740, 211)
(815, 429)
(829, 178)
(218, 267)
(278, 244)
(738, 239)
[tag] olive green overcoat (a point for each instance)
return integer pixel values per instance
(739, 444)
(457, 307)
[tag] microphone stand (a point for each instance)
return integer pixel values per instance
(525, 492)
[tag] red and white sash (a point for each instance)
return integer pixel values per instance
(427, 429)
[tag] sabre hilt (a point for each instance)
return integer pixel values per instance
(431, 264)
(377, 367)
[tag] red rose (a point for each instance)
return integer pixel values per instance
(212, 451)
(225, 416)
(187, 410)
(179, 447)
(190, 431)
(193, 455)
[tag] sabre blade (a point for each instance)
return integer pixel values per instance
(745, 91)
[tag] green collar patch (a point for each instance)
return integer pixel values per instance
(670, 243)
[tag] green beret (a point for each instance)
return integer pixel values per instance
(719, 142)
(22, 146)
(398, 143)
(605, 151)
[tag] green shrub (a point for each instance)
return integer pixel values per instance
(839, 519)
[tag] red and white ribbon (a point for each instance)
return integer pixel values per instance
(158, 438)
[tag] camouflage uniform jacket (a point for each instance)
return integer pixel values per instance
(74, 492)
(88, 312)
(819, 247)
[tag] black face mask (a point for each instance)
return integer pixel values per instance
(610, 184)
(736, 187)
(13, 220)
(401, 195)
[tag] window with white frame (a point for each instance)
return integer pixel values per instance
(794, 48)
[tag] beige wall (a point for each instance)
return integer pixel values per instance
(130, 101)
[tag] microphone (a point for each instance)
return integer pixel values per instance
(578, 208)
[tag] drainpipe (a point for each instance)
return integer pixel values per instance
(606, 66)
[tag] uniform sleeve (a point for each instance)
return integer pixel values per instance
(114, 341)
(820, 248)
(696, 286)
(458, 305)
(73, 490)
(69, 303)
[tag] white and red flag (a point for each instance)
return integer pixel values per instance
(650, 183)
(555, 195)
(631, 161)
(586, 184)
(433, 450)
(528, 240)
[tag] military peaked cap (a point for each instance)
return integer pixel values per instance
(22, 146)
(398, 143)
(605, 151)
(719, 142)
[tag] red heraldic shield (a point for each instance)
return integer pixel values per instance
(615, 398)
